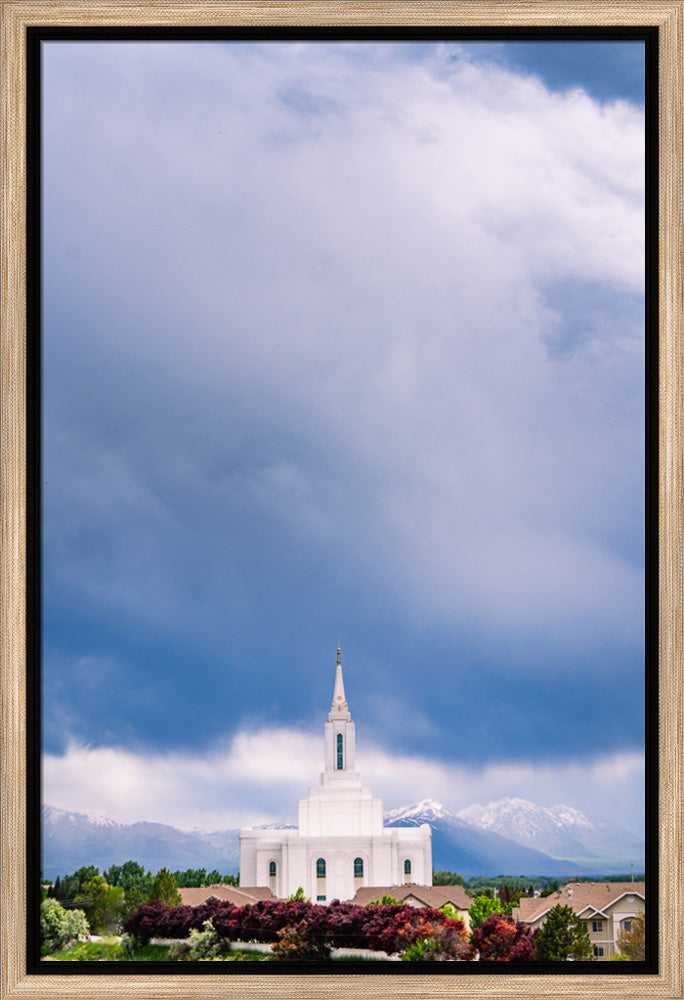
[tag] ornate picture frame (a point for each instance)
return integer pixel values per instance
(19, 15)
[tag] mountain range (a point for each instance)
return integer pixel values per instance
(517, 837)
(511, 837)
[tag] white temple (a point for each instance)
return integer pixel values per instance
(340, 843)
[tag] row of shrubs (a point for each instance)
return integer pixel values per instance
(299, 929)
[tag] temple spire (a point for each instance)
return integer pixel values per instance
(339, 705)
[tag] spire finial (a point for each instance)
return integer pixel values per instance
(339, 657)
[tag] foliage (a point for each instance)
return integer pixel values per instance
(298, 942)
(59, 926)
(129, 944)
(433, 937)
(199, 877)
(509, 896)
(68, 887)
(133, 899)
(386, 900)
(164, 889)
(298, 896)
(101, 903)
(206, 943)
(421, 950)
(563, 937)
(632, 943)
(550, 888)
(390, 928)
(107, 950)
(480, 908)
(447, 878)
(178, 950)
(157, 920)
(501, 939)
(130, 875)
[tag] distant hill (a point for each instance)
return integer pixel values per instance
(71, 840)
(508, 837)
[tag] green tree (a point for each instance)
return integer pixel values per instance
(563, 937)
(230, 880)
(133, 900)
(59, 926)
(480, 908)
(133, 875)
(113, 875)
(447, 878)
(102, 904)
(632, 943)
(165, 889)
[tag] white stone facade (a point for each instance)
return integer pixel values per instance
(340, 843)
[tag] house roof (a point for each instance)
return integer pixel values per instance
(586, 898)
(194, 896)
(433, 896)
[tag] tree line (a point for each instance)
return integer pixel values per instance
(110, 898)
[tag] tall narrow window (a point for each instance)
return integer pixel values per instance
(340, 754)
(320, 868)
(271, 868)
(407, 867)
(358, 867)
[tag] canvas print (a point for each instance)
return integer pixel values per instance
(343, 430)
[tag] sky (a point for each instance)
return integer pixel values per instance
(342, 342)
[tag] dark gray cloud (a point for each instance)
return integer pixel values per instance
(341, 343)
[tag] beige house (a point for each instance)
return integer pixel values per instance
(420, 896)
(195, 896)
(606, 908)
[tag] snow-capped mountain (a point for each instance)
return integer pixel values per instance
(560, 831)
(460, 846)
(427, 811)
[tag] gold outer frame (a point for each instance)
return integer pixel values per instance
(15, 17)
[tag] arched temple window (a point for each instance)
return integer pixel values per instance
(358, 867)
(320, 868)
(340, 754)
(407, 867)
(271, 868)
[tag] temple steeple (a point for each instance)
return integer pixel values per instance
(339, 708)
(340, 736)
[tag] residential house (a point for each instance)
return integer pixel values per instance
(196, 895)
(420, 896)
(606, 908)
